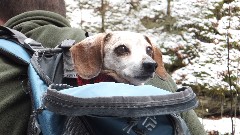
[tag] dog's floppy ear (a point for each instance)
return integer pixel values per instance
(157, 56)
(87, 56)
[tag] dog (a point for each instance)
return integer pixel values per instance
(128, 57)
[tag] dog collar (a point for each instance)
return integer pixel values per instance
(99, 78)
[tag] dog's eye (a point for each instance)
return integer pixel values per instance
(121, 50)
(149, 51)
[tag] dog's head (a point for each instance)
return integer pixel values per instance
(126, 56)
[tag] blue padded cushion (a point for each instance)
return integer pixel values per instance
(111, 89)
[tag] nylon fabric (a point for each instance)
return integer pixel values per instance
(51, 123)
(18, 52)
(110, 89)
(156, 125)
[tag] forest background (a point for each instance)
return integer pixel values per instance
(200, 41)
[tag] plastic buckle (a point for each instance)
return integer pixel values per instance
(32, 45)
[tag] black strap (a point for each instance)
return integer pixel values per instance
(181, 89)
(28, 43)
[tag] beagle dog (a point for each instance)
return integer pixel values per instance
(127, 57)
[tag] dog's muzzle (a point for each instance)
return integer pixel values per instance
(149, 66)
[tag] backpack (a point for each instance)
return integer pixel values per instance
(59, 106)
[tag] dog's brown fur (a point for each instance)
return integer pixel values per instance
(88, 57)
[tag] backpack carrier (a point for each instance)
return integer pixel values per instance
(59, 106)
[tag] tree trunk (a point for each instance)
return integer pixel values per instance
(103, 15)
(168, 26)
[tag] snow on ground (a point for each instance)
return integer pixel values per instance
(223, 125)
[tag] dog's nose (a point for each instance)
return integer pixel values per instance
(150, 66)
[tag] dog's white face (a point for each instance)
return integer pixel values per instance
(130, 56)
(126, 56)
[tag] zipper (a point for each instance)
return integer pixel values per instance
(177, 122)
(34, 126)
(173, 122)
